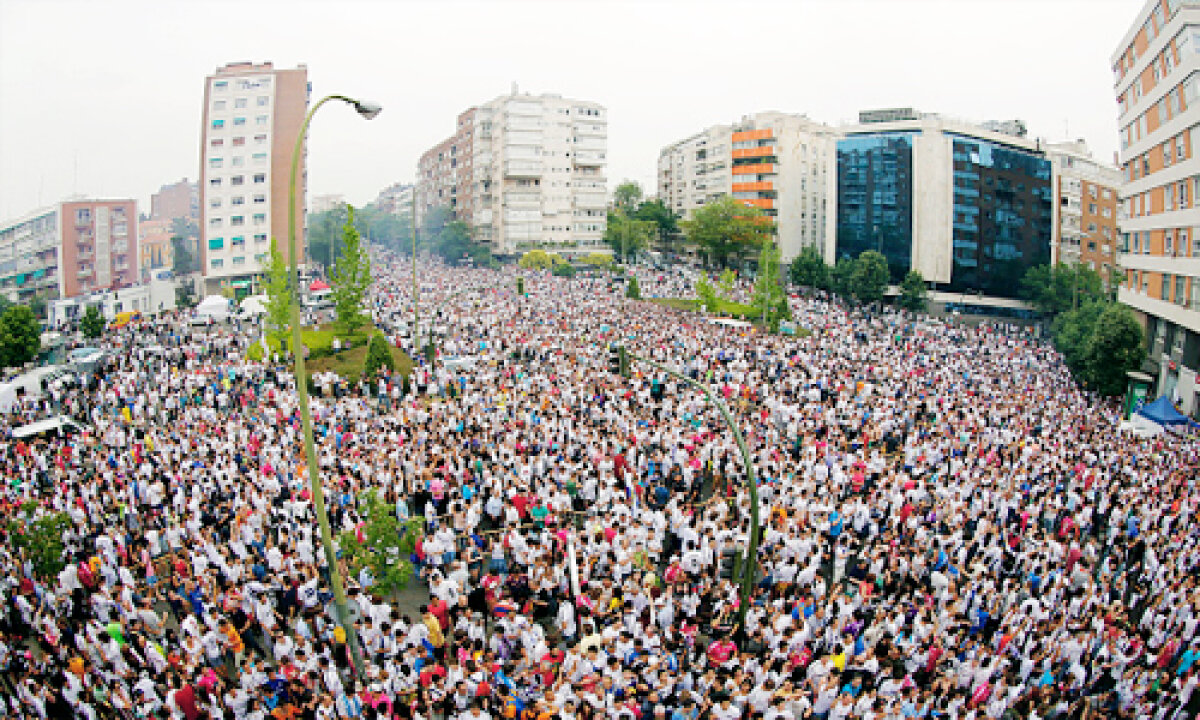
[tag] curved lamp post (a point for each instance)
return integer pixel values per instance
(368, 110)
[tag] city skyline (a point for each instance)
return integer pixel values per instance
(663, 69)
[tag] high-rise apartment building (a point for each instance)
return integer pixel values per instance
(395, 199)
(524, 172)
(177, 200)
(1156, 79)
(252, 117)
(968, 207)
(777, 162)
(73, 248)
(155, 249)
(1085, 210)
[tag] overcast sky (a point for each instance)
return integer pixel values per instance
(103, 98)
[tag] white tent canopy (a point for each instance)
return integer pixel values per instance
(254, 305)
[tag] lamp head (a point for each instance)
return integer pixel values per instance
(368, 109)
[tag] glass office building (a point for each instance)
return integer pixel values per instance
(1003, 216)
(875, 198)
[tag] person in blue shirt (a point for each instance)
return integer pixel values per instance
(1187, 660)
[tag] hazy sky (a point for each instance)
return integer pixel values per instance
(103, 98)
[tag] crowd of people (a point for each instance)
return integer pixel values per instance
(950, 527)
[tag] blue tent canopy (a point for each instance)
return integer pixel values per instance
(1163, 412)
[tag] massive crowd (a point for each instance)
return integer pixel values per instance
(951, 528)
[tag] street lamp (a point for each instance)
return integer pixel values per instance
(368, 110)
(749, 574)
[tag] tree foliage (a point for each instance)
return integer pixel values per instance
(277, 284)
(20, 335)
(769, 295)
(92, 323)
(841, 278)
(808, 269)
(1114, 348)
(626, 197)
(706, 294)
(626, 235)
(379, 356)
(632, 291)
(1056, 289)
(1100, 342)
(870, 277)
(726, 229)
(541, 260)
(386, 546)
(183, 262)
(39, 534)
(913, 293)
(350, 279)
(666, 223)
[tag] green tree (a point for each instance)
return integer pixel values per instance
(536, 260)
(183, 262)
(20, 336)
(600, 260)
(379, 356)
(870, 277)
(626, 235)
(706, 294)
(276, 279)
(1115, 348)
(326, 231)
(769, 296)
(727, 229)
(841, 278)
(626, 197)
(38, 534)
(350, 278)
(725, 283)
(632, 291)
(1071, 332)
(808, 269)
(1056, 289)
(913, 293)
(564, 269)
(666, 223)
(386, 546)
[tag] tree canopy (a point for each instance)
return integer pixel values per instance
(627, 196)
(276, 281)
(913, 293)
(1058, 288)
(20, 335)
(808, 269)
(726, 229)
(626, 235)
(350, 279)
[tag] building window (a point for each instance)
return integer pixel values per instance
(260, 238)
(215, 163)
(237, 220)
(260, 139)
(239, 103)
(236, 180)
(260, 178)
(240, 260)
(261, 120)
(83, 216)
(214, 202)
(1165, 289)
(218, 124)
(216, 243)
(1181, 289)
(215, 182)
(219, 105)
(221, 85)
(239, 200)
(214, 222)
(259, 198)
(239, 141)
(260, 218)
(216, 262)
(237, 241)
(239, 161)
(239, 121)
(260, 158)
(262, 101)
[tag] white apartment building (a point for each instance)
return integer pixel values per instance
(1156, 82)
(1085, 213)
(782, 163)
(524, 171)
(252, 117)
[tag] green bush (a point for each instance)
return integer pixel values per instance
(564, 270)
(379, 355)
(632, 291)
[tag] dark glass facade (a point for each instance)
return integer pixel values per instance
(875, 194)
(1003, 216)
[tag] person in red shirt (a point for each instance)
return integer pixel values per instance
(441, 611)
(720, 652)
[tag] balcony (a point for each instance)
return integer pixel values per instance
(523, 168)
(590, 200)
(587, 157)
(85, 272)
(522, 200)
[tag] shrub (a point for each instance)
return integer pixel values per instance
(379, 355)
